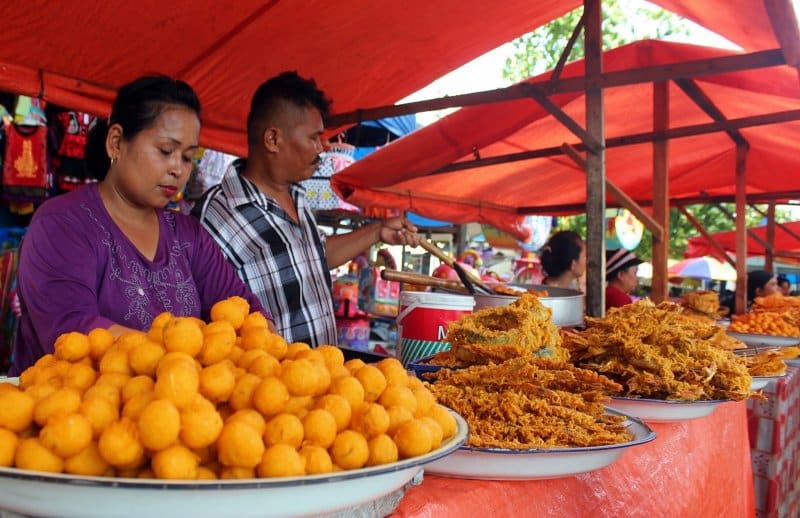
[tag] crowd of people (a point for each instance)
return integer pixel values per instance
(109, 255)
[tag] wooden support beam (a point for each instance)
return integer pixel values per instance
(618, 194)
(741, 227)
(595, 164)
(697, 68)
(562, 117)
(769, 257)
(696, 94)
(784, 23)
(660, 280)
(639, 138)
(703, 232)
(562, 60)
(735, 219)
(779, 225)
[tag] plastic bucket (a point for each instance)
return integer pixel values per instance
(422, 322)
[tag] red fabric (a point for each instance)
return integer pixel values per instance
(784, 240)
(615, 297)
(25, 163)
(775, 447)
(363, 53)
(399, 175)
(693, 468)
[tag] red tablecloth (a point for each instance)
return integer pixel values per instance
(698, 468)
(775, 447)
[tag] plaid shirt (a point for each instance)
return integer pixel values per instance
(282, 262)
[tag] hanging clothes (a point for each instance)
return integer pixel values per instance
(25, 168)
(72, 130)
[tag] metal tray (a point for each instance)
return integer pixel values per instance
(566, 304)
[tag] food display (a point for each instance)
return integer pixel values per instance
(526, 403)
(655, 352)
(523, 328)
(227, 399)
(505, 289)
(765, 323)
(778, 303)
(770, 362)
(703, 303)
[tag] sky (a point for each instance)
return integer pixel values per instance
(486, 72)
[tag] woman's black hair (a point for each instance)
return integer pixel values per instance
(560, 250)
(755, 280)
(136, 108)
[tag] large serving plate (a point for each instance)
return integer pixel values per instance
(759, 382)
(536, 464)
(756, 340)
(661, 411)
(43, 494)
(794, 362)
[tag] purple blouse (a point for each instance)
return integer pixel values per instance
(78, 271)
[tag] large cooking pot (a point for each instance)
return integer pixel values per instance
(566, 304)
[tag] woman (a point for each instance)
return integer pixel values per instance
(563, 259)
(108, 255)
(621, 279)
(760, 283)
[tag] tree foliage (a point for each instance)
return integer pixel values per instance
(680, 230)
(624, 21)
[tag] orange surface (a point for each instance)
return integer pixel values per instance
(784, 241)
(698, 468)
(362, 53)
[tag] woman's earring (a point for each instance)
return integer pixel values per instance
(113, 161)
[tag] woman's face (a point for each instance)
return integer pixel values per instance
(629, 278)
(770, 288)
(579, 264)
(154, 165)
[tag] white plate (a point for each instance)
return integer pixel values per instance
(760, 382)
(43, 494)
(661, 411)
(535, 464)
(755, 340)
(794, 362)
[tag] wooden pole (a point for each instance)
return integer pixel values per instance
(769, 257)
(595, 164)
(741, 230)
(660, 191)
(703, 232)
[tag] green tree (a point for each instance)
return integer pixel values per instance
(624, 21)
(680, 230)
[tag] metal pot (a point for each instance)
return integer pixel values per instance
(566, 304)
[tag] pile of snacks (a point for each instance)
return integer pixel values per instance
(765, 323)
(225, 399)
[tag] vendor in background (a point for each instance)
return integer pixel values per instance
(259, 216)
(621, 279)
(761, 283)
(108, 255)
(563, 259)
(784, 286)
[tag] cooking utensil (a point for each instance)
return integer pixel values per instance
(472, 282)
(566, 304)
(422, 280)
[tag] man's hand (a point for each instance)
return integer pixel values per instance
(398, 231)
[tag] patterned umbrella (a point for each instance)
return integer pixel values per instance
(703, 268)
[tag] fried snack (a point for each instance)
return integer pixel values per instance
(789, 307)
(766, 363)
(654, 351)
(522, 328)
(531, 403)
(704, 302)
(502, 289)
(765, 323)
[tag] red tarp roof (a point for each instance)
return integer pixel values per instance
(786, 240)
(362, 52)
(399, 175)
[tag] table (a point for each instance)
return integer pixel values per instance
(775, 447)
(698, 468)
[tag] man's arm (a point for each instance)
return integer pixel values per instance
(394, 231)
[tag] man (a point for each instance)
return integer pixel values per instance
(784, 286)
(259, 216)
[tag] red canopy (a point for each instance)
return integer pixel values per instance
(399, 175)
(786, 240)
(361, 52)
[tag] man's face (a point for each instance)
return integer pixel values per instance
(299, 152)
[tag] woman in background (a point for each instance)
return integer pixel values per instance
(621, 279)
(563, 259)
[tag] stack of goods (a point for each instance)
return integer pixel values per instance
(228, 399)
(531, 403)
(765, 323)
(703, 304)
(655, 352)
(523, 328)
(770, 362)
